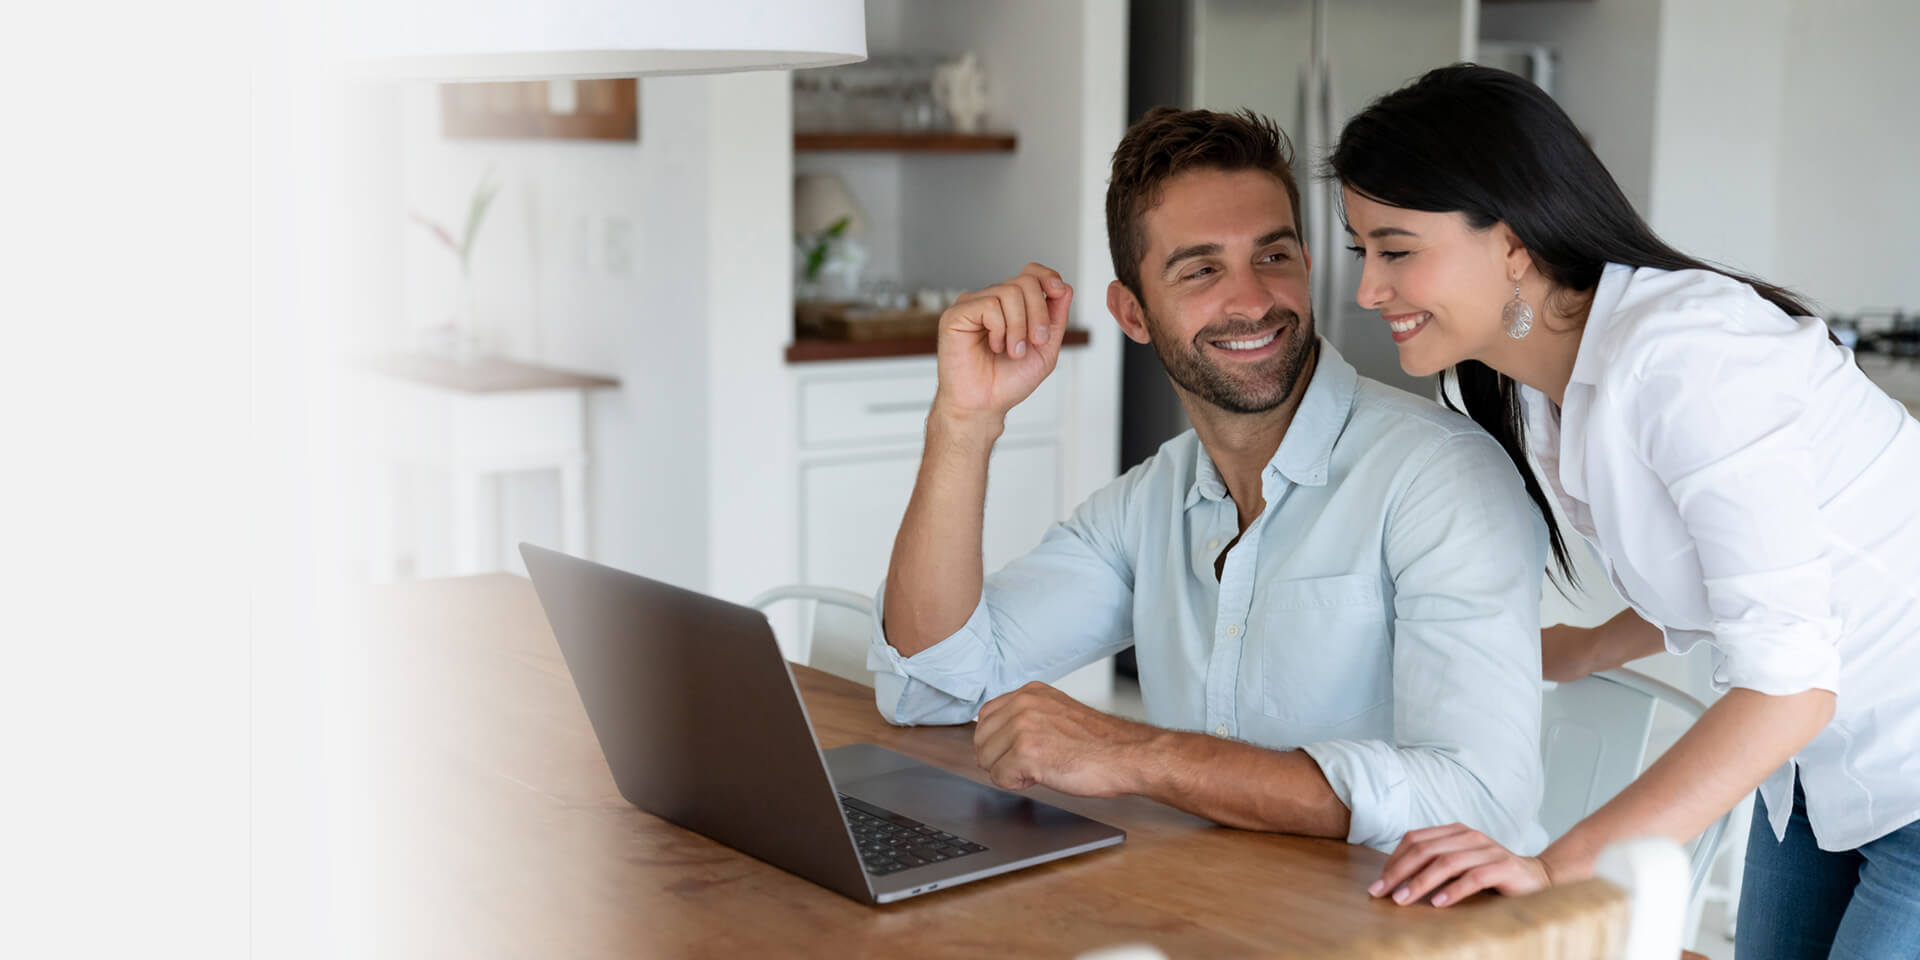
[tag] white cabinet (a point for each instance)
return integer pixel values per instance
(467, 424)
(861, 426)
(850, 509)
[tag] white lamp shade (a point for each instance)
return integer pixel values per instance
(555, 39)
(821, 200)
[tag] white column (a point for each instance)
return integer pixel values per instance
(752, 487)
(464, 500)
(573, 506)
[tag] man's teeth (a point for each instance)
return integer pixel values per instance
(1248, 344)
(1402, 326)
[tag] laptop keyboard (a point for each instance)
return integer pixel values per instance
(890, 842)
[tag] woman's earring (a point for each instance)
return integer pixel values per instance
(1517, 316)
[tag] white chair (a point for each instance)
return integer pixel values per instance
(1732, 860)
(839, 646)
(1593, 741)
(1654, 872)
(1733, 863)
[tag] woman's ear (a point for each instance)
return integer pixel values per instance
(1517, 260)
(1127, 312)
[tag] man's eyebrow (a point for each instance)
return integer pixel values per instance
(1188, 252)
(1283, 233)
(1211, 249)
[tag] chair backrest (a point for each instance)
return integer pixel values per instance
(1593, 741)
(1654, 873)
(835, 644)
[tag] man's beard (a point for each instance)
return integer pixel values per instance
(1246, 388)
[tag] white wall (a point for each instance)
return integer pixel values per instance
(1847, 200)
(543, 281)
(1013, 202)
(1609, 71)
(1717, 129)
(751, 490)
(1775, 136)
(1103, 118)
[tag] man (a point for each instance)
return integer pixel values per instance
(1333, 583)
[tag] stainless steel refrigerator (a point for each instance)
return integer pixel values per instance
(1309, 65)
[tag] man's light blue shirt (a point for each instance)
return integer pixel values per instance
(1382, 613)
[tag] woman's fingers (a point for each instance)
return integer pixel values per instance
(1452, 863)
(1415, 849)
(1472, 881)
(1445, 868)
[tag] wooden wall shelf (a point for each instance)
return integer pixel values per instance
(813, 350)
(482, 374)
(941, 142)
(523, 110)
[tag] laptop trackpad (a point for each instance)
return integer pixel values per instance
(936, 797)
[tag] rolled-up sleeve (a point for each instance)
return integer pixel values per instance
(1709, 418)
(1063, 605)
(1466, 553)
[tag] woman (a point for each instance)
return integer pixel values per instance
(1746, 485)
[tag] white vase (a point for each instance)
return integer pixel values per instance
(460, 336)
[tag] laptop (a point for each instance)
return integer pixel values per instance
(700, 721)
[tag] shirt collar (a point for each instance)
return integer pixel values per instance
(1306, 452)
(1606, 299)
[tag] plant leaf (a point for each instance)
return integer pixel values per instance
(816, 258)
(483, 193)
(439, 232)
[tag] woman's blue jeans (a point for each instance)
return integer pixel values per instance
(1799, 901)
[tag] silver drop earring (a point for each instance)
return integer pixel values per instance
(1518, 316)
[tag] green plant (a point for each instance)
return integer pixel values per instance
(822, 242)
(484, 191)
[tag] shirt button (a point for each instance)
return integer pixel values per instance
(1220, 731)
(1213, 544)
(1233, 629)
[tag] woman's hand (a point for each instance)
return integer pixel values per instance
(1567, 653)
(1452, 862)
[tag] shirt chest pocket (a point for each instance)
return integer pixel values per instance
(1326, 654)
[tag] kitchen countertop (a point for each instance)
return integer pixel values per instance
(1898, 376)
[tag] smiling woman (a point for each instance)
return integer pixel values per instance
(1743, 480)
(1445, 247)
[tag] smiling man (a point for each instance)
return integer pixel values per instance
(1332, 586)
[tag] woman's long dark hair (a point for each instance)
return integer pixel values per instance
(1492, 146)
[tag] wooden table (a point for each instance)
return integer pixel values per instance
(500, 833)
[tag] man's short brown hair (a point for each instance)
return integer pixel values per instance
(1168, 142)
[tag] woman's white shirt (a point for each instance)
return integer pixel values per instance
(1745, 484)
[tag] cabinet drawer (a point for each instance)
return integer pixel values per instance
(893, 408)
(850, 510)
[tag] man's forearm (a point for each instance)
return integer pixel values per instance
(934, 578)
(1241, 785)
